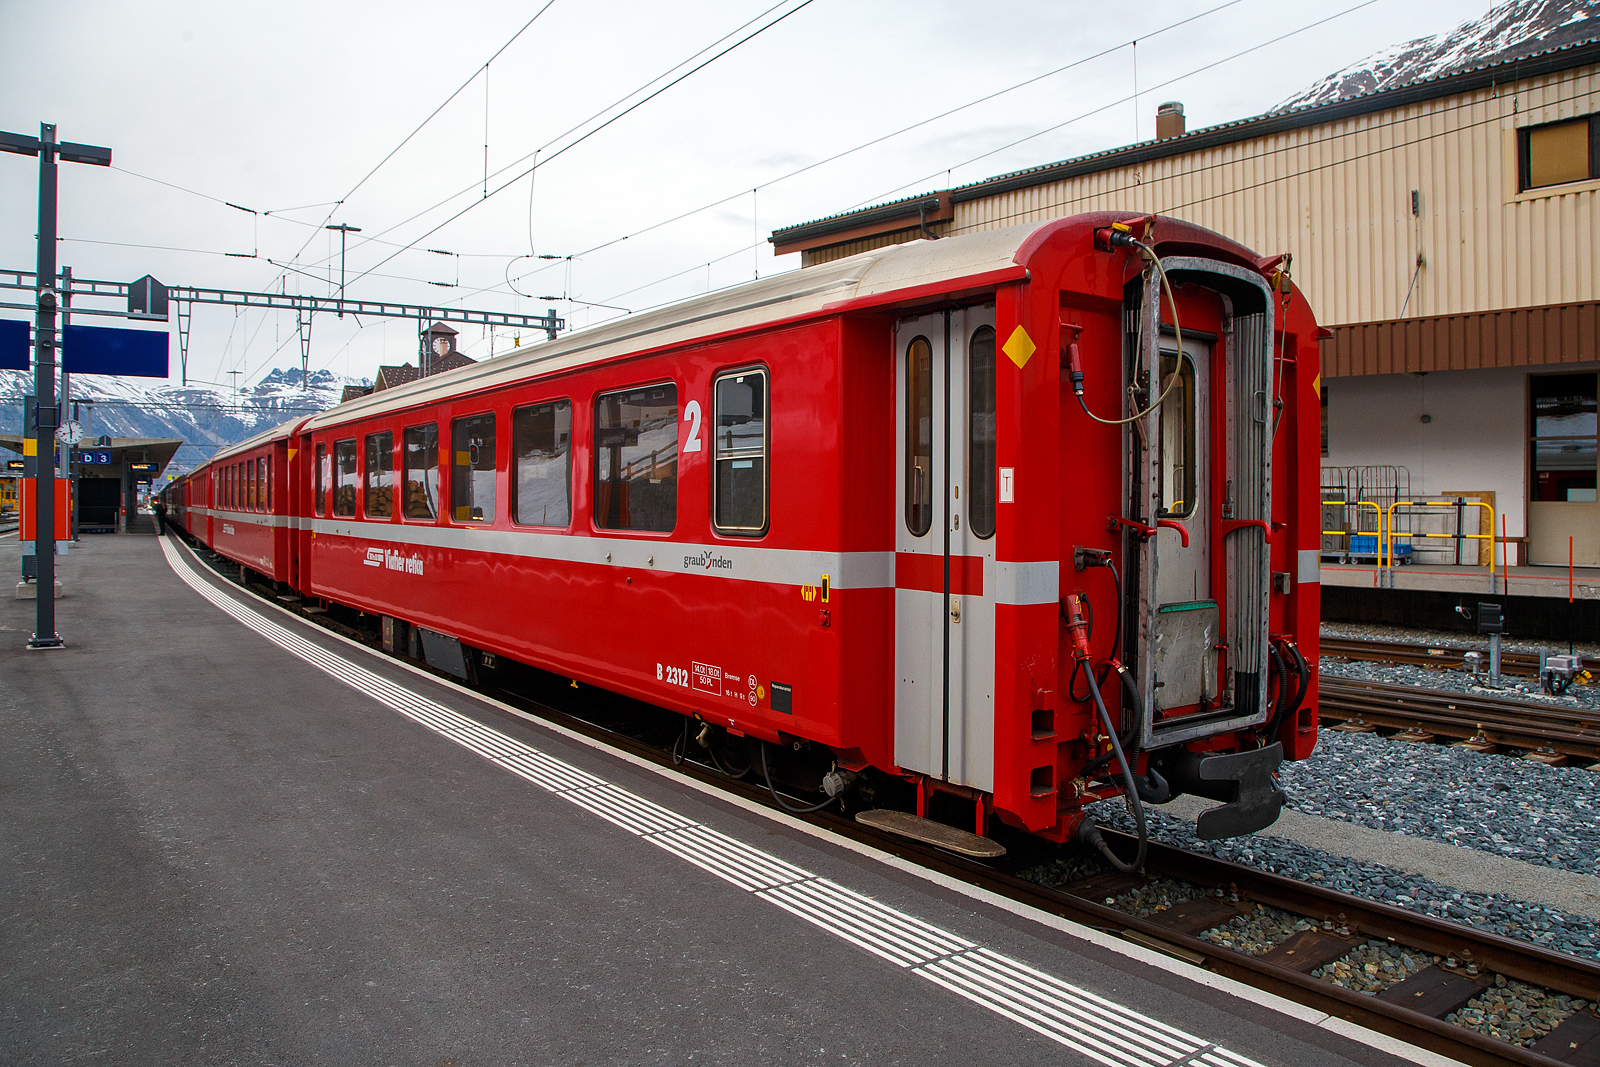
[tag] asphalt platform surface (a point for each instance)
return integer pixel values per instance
(216, 853)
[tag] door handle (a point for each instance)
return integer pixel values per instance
(955, 610)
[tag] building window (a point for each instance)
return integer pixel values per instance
(981, 469)
(636, 459)
(1564, 432)
(319, 481)
(422, 471)
(541, 452)
(472, 472)
(379, 499)
(739, 450)
(919, 436)
(346, 476)
(1559, 152)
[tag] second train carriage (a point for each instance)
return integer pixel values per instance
(874, 505)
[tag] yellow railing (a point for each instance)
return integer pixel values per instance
(1377, 509)
(1388, 546)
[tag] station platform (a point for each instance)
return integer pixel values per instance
(1581, 583)
(233, 837)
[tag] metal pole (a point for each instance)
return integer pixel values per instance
(66, 468)
(1494, 659)
(44, 390)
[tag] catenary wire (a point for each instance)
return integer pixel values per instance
(575, 143)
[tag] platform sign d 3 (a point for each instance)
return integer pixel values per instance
(106, 350)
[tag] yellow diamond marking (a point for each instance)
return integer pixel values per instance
(1020, 347)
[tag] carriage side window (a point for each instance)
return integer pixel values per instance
(379, 498)
(472, 472)
(261, 483)
(1178, 445)
(345, 477)
(981, 470)
(256, 488)
(636, 459)
(422, 471)
(919, 436)
(266, 467)
(739, 450)
(319, 481)
(541, 451)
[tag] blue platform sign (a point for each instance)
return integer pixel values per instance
(14, 344)
(107, 350)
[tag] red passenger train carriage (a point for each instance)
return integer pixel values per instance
(998, 514)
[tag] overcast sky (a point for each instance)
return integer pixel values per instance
(285, 107)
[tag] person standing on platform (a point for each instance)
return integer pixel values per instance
(161, 516)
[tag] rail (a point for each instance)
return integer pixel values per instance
(1491, 721)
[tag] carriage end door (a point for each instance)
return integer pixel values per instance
(944, 546)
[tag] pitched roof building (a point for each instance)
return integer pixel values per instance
(1444, 229)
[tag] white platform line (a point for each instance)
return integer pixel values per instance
(995, 982)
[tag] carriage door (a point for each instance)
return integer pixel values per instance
(944, 546)
(1187, 628)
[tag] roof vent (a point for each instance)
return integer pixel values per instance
(1169, 120)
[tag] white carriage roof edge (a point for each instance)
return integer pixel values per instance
(254, 441)
(785, 296)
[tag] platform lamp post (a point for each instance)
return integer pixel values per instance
(47, 148)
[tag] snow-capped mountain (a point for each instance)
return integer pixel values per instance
(206, 418)
(1511, 30)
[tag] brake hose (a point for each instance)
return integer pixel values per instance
(773, 789)
(1092, 832)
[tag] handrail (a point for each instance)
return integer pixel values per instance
(1349, 533)
(1456, 503)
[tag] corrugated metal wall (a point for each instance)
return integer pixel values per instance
(1517, 337)
(1338, 197)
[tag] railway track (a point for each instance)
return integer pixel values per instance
(1414, 1011)
(1485, 722)
(1522, 664)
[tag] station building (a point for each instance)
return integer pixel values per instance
(1447, 232)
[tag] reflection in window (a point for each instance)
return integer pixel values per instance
(980, 432)
(739, 446)
(919, 436)
(636, 459)
(319, 481)
(346, 476)
(472, 472)
(1177, 465)
(1564, 434)
(422, 471)
(541, 450)
(255, 485)
(379, 499)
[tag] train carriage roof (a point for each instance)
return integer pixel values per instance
(795, 295)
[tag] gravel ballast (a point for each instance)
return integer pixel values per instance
(1494, 912)
(1504, 805)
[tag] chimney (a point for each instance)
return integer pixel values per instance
(1169, 120)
